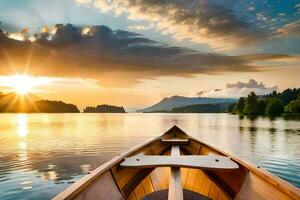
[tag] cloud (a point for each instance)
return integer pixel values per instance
(141, 27)
(251, 8)
(251, 84)
(238, 89)
(201, 93)
(83, 1)
(21, 36)
(297, 6)
(201, 21)
(261, 17)
(291, 29)
(115, 57)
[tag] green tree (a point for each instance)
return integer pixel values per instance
(261, 107)
(274, 106)
(293, 107)
(239, 107)
(230, 108)
(288, 95)
(251, 107)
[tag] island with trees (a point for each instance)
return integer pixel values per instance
(46, 106)
(104, 108)
(273, 104)
(13, 103)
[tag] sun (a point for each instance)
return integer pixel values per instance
(23, 84)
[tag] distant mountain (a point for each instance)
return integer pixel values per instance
(167, 104)
(104, 109)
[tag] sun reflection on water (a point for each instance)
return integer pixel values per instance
(22, 132)
(22, 125)
(22, 151)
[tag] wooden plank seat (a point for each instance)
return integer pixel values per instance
(207, 162)
(163, 195)
(175, 141)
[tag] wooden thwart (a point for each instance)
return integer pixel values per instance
(207, 162)
(175, 141)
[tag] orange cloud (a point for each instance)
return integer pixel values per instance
(117, 58)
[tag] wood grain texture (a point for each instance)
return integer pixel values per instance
(214, 191)
(147, 184)
(175, 186)
(175, 141)
(191, 179)
(208, 162)
(160, 176)
(193, 148)
(199, 181)
(127, 179)
(206, 186)
(132, 197)
(256, 188)
(139, 191)
(101, 191)
(135, 181)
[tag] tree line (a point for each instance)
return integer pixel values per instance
(275, 103)
(39, 106)
(197, 108)
(104, 109)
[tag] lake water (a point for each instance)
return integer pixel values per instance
(42, 154)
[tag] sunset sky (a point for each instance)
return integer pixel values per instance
(136, 52)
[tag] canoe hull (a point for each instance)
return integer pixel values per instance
(111, 181)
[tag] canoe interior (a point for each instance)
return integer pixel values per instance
(116, 182)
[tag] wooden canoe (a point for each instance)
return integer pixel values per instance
(178, 166)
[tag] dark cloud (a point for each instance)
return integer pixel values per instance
(201, 93)
(201, 21)
(250, 84)
(114, 57)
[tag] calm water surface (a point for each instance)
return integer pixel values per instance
(42, 154)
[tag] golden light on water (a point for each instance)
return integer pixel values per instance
(22, 151)
(22, 125)
(50, 175)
